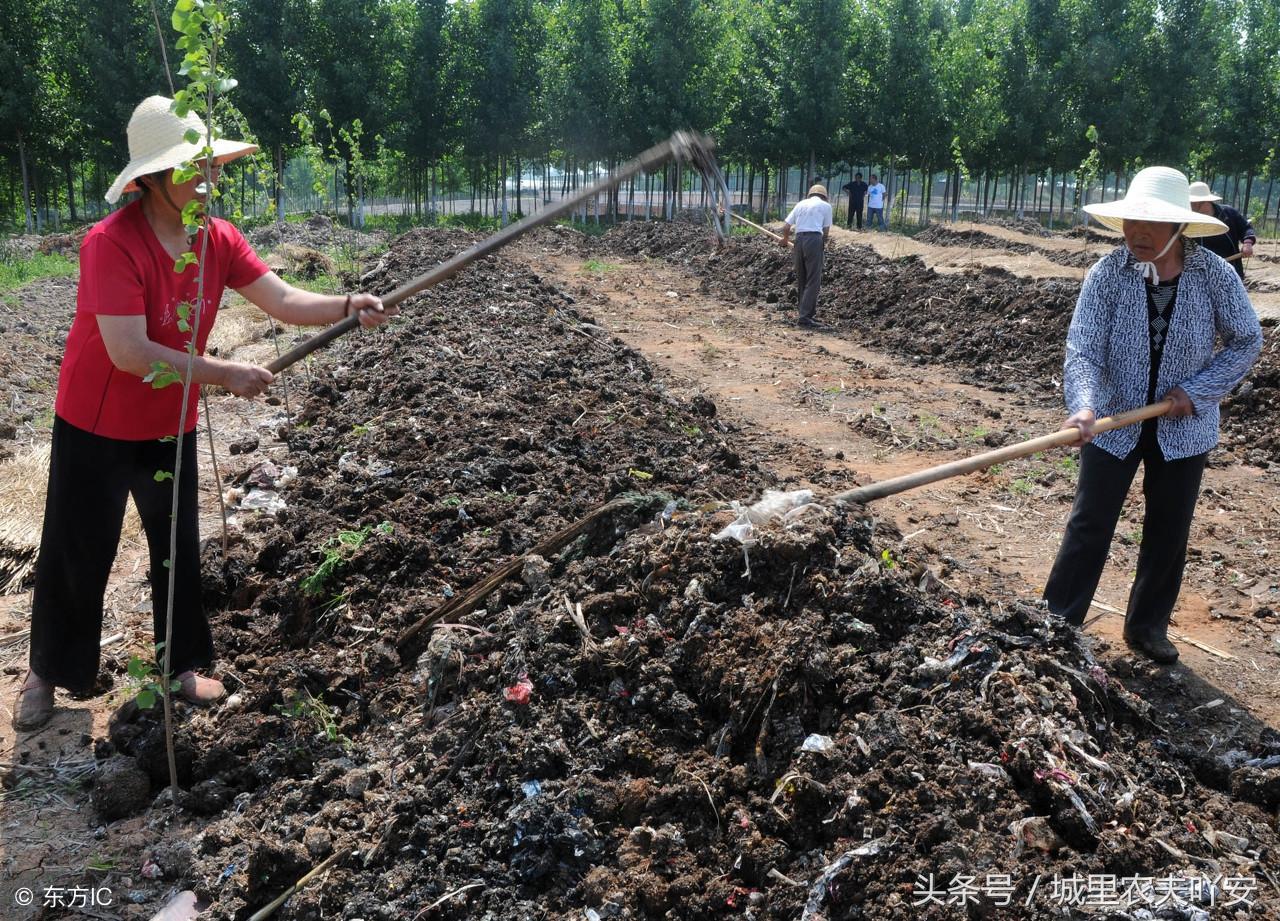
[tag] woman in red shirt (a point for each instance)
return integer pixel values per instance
(113, 430)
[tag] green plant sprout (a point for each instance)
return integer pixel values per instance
(337, 551)
(307, 708)
(146, 682)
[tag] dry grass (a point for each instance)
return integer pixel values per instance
(23, 480)
(238, 324)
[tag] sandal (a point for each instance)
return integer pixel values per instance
(199, 690)
(34, 705)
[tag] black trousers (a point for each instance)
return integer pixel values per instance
(90, 479)
(808, 264)
(855, 211)
(1170, 489)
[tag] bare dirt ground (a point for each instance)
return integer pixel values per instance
(507, 409)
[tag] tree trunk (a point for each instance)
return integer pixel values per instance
(37, 195)
(26, 184)
(71, 188)
(278, 183)
(782, 189)
(1248, 192)
(1266, 208)
(519, 188)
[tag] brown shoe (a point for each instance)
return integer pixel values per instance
(199, 690)
(34, 705)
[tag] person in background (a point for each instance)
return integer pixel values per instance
(875, 203)
(811, 219)
(113, 431)
(857, 191)
(1145, 329)
(1236, 244)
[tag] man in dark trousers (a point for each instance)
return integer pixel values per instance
(1239, 239)
(857, 193)
(811, 221)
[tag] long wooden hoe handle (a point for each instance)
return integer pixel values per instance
(763, 230)
(1060, 439)
(683, 144)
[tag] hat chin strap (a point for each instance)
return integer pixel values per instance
(1148, 269)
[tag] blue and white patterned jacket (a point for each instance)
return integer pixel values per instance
(1108, 362)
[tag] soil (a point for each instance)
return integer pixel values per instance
(940, 234)
(33, 326)
(656, 723)
(991, 323)
(318, 232)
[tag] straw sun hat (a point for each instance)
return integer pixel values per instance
(1157, 193)
(156, 143)
(1200, 191)
(818, 190)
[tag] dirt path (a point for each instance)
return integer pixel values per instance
(829, 412)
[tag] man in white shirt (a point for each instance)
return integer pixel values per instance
(875, 203)
(811, 219)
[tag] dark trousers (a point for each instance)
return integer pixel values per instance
(1170, 489)
(90, 479)
(808, 261)
(855, 211)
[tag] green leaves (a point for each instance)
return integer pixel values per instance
(162, 375)
(193, 216)
(185, 173)
(147, 681)
(181, 263)
(161, 475)
(138, 670)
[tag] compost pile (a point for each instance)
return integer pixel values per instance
(656, 723)
(34, 321)
(1004, 332)
(317, 232)
(1027, 225)
(939, 235)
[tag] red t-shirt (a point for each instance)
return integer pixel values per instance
(124, 271)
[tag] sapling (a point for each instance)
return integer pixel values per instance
(146, 682)
(202, 24)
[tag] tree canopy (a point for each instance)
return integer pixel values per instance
(987, 86)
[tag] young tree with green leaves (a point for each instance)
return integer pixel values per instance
(263, 48)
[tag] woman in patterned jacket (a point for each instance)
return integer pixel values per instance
(1144, 329)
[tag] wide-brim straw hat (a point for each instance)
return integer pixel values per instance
(818, 190)
(1200, 191)
(157, 142)
(1157, 193)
